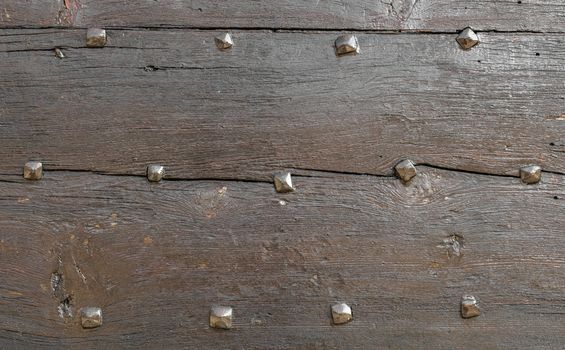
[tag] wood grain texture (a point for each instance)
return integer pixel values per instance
(410, 15)
(280, 100)
(156, 256)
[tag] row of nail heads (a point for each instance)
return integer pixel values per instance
(344, 45)
(405, 170)
(222, 316)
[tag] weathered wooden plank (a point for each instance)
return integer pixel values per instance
(423, 15)
(155, 257)
(280, 100)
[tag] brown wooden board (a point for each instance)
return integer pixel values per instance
(156, 257)
(411, 15)
(280, 100)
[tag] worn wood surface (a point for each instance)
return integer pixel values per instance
(280, 100)
(411, 15)
(155, 257)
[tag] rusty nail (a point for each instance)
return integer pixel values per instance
(95, 37)
(341, 313)
(405, 170)
(467, 39)
(530, 174)
(469, 307)
(155, 172)
(283, 182)
(221, 317)
(33, 170)
(346, 44)
(224, 41)
(91, 317)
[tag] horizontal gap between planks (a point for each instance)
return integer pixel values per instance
(289, 29)
(291, 169)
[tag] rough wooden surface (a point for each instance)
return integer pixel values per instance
(280, 100)
(412, 15)
(155, 257)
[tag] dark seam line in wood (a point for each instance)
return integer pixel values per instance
(393, 176)
(553, 172)
(335, 172)
(46, 170)
(481, 173)
(472, 172)
(215, 179)
(288, 29)
(148, 68)
(28, 50)
(84, 47)
(418, 164)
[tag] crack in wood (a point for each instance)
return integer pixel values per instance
(287, 29)
(294, 174)
(64, 308)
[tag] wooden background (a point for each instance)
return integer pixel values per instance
(155, 257)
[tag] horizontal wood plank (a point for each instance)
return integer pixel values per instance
(280, 100)
(411, 15)
(156, 257)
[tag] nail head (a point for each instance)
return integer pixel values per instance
(530, 174)
(33, 170)
(405, 170)
(91, 317)
(224, 41)
(59, 53)
(469, 307)
(467, 38)
(95, 37)
(155, 172)
(283, 182)
(221, 317)
(341, 313)
(346, 44)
